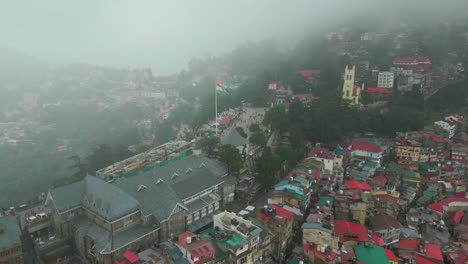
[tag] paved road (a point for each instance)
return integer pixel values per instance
(251, 115)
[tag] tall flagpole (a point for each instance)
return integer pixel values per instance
(216, 109)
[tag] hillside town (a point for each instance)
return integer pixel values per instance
(370, 173)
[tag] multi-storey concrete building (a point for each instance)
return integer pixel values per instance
(105, 219)
(385, 79)
(407, 151)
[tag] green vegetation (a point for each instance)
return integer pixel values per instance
(230, 156)
(241, 132)
(266, 167)
(258, 138)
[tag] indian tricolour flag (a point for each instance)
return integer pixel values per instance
(220, 89)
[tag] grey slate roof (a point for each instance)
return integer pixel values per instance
(179, 180)
(68, 196)
(233, 138)
(10, 237)
(103, 238)
(95, 195)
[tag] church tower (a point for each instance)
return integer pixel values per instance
(351, 92)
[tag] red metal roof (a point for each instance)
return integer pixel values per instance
(305, 96)
(380, 90)
(284, 214)
(379, 178)
(432, 137)
(330, 256)
(390, 255)
(197, 248)
(411, 245)
(224, 121)
(457, 216)
(436, 207)
(398, 60)
(388, 198)
(378, 240)
(320, 152)
(364, 146)
(130, 256)
(422, 260)
(448, 201)
(309, 75)
(433, 251)
(343, 227)
(353, 184)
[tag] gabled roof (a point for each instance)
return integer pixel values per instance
(421, 260)
(353, 184)
(377, 239)
(457, 216)
(384, 221)
(343, 227)
(387, 197)
(390, 255)
(356, 144)
(370, 254)
(96, 195)
(448, 201)
(432, 137)
(320, 152)
(436, 207)
(164, 192)
(309, 75)
(433, 251)
(411, 245)
(233, 138)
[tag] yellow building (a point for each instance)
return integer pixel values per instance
(351, 92)
(407, 151)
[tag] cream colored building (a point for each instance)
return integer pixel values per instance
(351, 92)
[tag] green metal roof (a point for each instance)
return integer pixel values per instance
(302, 180)
(370, 254)
(323, 200)
(295, 194)
(219, 254)
(235, 241)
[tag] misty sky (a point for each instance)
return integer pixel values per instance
(162, 35)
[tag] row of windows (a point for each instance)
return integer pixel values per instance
(202, 212)
(189, 199)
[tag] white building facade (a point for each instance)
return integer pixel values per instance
(385, 79)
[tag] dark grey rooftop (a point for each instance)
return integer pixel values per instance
(317, 226)
(105, 243)
(155, 192)
(95, 195)
(233, 138)
(159, 190)
(10, 237)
